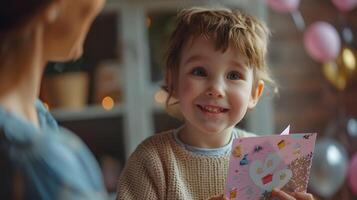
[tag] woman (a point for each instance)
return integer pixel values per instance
(38, 159)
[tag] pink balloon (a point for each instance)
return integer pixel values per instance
(345, 5)
(283, 6)
(352, 174)
(322, 42)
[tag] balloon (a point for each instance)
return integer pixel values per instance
(283, 6)
(345, 5)
(322, 41)
(329, 167)
(352, 127)
(340, 73)
(347, 34)
(352, 174)
(348, 59)
(334, 75)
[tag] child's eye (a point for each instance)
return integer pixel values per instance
(234, 76)
(199, 71)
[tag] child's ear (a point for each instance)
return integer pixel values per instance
(169, 81)
(256, 94)
(174, 95)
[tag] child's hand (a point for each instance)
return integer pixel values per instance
(219, 197)
(293, 196)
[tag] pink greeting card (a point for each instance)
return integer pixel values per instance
(259, 164)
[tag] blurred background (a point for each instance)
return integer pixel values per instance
(111, 96)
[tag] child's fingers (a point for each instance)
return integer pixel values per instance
(282, 195)
(303, 196)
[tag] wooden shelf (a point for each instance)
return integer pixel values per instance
(90, 112)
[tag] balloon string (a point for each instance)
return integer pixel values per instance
(298, 20)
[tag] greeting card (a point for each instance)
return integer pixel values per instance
(259, 164)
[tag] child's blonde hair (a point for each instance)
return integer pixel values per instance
(229, 28)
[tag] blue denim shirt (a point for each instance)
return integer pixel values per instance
(54, 162)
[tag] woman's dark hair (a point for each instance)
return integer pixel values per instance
(14, 13)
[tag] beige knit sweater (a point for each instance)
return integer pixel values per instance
(162, 169)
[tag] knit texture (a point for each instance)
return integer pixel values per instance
(161, 169)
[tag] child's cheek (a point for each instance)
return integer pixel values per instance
(186, 87)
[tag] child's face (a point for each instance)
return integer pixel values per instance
(214, 88)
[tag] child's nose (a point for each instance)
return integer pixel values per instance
(215, 90)
(214, 93)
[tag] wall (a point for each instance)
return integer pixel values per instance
(307, 100)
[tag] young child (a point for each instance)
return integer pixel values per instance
(216, 71)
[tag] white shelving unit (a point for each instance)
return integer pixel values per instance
(89, 112)
(138, 89)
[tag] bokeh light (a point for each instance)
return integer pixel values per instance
(108, 103)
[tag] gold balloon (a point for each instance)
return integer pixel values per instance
(348, 58)
(340, 72)
(334, 75)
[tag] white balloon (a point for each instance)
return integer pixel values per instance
(329, 167)
(352, 127)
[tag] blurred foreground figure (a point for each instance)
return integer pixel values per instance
(38, 159)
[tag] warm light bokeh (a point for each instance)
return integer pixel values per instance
(108, 103)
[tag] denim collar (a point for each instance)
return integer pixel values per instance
(21, 132)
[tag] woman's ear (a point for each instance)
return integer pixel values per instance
(52, 12)
(256, 94)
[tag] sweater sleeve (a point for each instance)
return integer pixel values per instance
(142, 176)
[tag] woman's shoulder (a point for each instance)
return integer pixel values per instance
(44, 115)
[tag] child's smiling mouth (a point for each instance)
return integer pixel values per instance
(212, 109)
